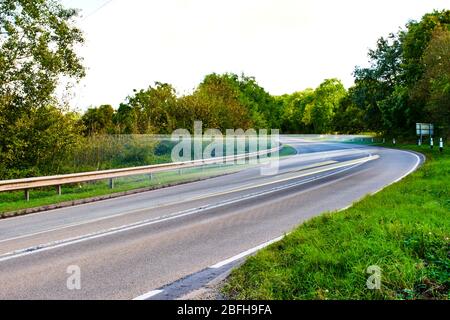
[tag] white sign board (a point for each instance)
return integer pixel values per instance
(425, 129)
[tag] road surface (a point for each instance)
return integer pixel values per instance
(129, 247)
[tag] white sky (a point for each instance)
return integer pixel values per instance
(288, 45)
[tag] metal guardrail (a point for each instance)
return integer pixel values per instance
(60, 180)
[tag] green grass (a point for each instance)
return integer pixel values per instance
(14, 201)
(404, 229)
(287, 151)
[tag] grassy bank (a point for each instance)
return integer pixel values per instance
(14, 201)
(404, 230)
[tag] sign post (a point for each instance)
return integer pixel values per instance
(424, 129)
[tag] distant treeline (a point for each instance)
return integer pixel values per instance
(407, 81)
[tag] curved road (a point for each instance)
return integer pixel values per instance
(129, 246)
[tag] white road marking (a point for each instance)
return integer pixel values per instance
(245, 253)
(347, 207)
(148, 295)
(332, 167)
(66, 242)
(219, 265)
(403, 176)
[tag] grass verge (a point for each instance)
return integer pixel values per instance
(404, 230)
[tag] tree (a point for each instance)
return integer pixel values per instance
(293, 109)
(125, 119)
(390, 91)
(320, 112)
(348, 117)
(37, 39)
(434, 86)
(264, 110)
(218, 103)
(99, 120)
(153, 108)
(416, 39)
(45, 139)
(375, 85)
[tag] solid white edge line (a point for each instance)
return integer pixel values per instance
(148, 295)
(245, 253)
(403, 176)
(219, 265)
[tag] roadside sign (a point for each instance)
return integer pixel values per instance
(425, 129)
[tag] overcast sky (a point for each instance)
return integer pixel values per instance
(288, 45)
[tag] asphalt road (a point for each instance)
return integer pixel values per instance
(128, 246)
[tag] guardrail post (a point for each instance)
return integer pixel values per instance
(111, 183)
(394, 141)
(441, 145)
(27, 194)
(58, 190)
(431, 143)
(384, 140)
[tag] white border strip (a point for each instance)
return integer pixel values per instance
(405, 175)
(245, 253)
(148, 295)
(219, 265)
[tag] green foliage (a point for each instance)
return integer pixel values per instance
(348, 117)
(153, 108)
(434, 86)
(293, 108)
(219, 95)
(37, 40)
(312, 111)
(320, 113)
(407, 81)
(98, 120)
